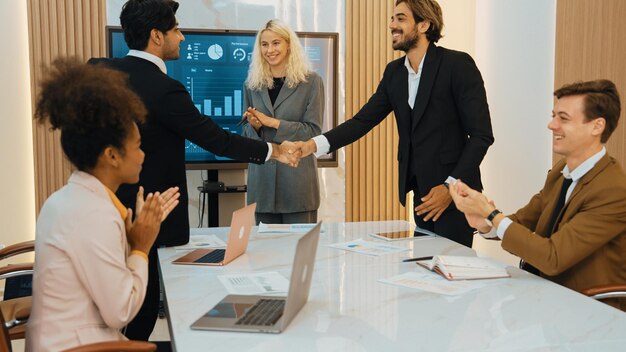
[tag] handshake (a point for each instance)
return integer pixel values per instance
(290, 153)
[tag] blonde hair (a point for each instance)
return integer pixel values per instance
(298, 64)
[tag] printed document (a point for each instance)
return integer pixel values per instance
(285, 228)
(433, 283)
(368, 247)
(255, 283)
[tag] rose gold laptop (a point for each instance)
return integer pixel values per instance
(240, 227)
(268, 314)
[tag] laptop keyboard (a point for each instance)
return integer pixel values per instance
(214, 257)
(264, 312)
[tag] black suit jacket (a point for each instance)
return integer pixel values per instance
(172, 118)
(449, 129)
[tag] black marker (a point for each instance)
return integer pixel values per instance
(417, 259)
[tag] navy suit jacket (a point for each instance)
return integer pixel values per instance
(172, 118)
(448, 131)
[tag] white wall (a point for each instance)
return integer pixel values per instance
(17, 194)
(512, 42)
(515, 53)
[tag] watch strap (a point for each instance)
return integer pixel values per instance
(493, 214)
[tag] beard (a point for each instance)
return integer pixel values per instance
(410, 41)
(173, 54)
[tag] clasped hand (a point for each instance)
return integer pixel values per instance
(258, 119)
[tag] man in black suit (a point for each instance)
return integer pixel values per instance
(151, 32)
(441, 110)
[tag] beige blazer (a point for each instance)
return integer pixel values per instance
(589, 246)
(85, 286)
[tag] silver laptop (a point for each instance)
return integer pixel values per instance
(269, 314)
(240, 227)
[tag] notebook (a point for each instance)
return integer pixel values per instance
(269, 314)
(464, 268)
(240, 227)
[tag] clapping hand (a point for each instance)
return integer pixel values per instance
(473, 204)
(151, 211)
(169, 197)
(142, 232)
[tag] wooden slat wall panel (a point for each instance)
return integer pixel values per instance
(371, 162)
(59, 28)
(589, 45)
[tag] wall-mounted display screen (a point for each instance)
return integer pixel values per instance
(213, 66)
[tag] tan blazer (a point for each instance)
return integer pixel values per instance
(85, 286)
(589, 245)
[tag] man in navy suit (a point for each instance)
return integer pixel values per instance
(441, 110)
(152, 34)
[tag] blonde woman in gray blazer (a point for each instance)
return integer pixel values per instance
(285, 101)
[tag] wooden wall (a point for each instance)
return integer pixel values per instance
(59, 28)
(371, 162)
(590, 45)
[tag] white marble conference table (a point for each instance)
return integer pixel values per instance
(349, 310)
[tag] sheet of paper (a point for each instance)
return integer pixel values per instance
(202, 241)
(432, 282)
(285, 228)
(368, 247)
(255, 283)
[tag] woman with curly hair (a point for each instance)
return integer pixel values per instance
(91, 263)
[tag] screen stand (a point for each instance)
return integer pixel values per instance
(213, 207)
(210, 192)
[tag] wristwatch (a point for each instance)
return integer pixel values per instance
(492, 215)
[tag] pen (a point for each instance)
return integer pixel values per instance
(416, 259)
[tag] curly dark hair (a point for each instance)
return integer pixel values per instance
(601, 100)
(140, 17)
(91, 105)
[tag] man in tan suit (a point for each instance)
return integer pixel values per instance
(574, 230)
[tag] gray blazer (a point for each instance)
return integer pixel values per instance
(275, 187)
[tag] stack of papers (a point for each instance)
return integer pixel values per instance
(368, 247)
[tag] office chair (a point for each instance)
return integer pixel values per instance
(16, 310)
(606, 291)
(109, 346)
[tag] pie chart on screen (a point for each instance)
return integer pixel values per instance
(215, 52)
